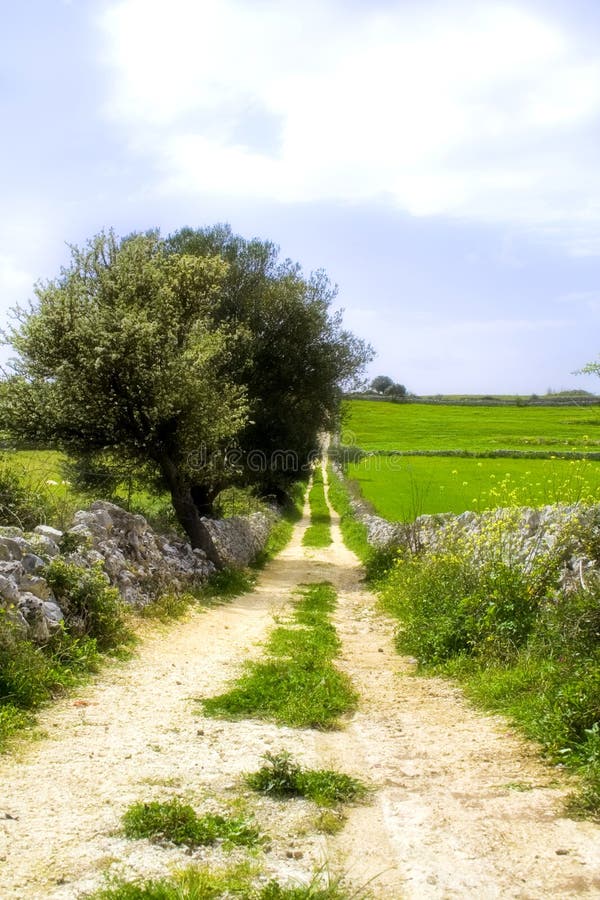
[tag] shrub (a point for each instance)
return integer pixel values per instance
(472, 594)
(90, 606)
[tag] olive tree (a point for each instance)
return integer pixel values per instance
(201, 360)
(120, 355)
(294, 358)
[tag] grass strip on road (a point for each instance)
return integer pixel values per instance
(297, 684)
(318, 534)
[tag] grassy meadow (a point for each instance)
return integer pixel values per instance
(403, 487)
(375, 425)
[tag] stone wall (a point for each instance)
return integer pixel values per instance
(572, 531)
(239, 539)
(135, 559)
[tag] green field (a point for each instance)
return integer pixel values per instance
(376, 425)
(403, 487)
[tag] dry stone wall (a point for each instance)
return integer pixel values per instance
(134, 558)
(571, 531)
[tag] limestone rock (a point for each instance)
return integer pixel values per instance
(47, 531)
(32, 563)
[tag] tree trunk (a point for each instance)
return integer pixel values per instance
(187, 512)
(203, 498)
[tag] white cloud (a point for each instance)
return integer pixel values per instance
(475, 110)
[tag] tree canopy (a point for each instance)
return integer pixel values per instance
(294, 357)
(381, 383)
(182, 355)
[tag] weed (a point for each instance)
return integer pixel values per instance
(167, 607)
(282, 777)
(178, 823)
(226, 584)
(193, 883)
(329, 821)
(202, 883)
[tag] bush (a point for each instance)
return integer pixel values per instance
(90, 606)
(471, 595)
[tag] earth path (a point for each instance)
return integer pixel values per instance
(446, 819)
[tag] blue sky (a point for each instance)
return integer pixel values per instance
(440, 160)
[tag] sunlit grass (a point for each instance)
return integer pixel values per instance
(401, 488)
(296, 684)
(412, 426)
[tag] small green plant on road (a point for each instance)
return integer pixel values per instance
(178, 823)
(281, 776)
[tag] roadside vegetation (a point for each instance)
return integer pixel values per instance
(95, 623)
(296, 683)
(504, 625)
(376, 562)
(519, 643)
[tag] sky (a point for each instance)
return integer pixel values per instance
(440, 160)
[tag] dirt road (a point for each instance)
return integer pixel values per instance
(462, 808)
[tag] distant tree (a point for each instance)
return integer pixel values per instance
(381, 384)
(396, 392)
